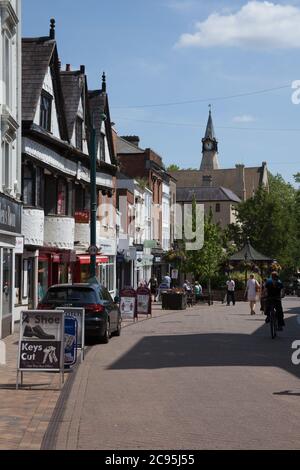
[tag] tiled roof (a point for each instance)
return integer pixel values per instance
(123, 147)
(36, 57)
(206, 194)
(72, 87)
(227, 178)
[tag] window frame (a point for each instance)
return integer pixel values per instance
(46, 115)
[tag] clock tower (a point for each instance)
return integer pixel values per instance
(209, 147)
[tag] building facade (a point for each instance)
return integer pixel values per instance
(10, 159)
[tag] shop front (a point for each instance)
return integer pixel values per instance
(10, 229)
(55, 268)
(108, 270)
(83, 267)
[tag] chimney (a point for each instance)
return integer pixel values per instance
(68, 68)
(82, 69)
(207, 181)
(240, 183)
(52, 29)
(133, 139)
(103, 88)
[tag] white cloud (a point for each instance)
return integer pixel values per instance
(262, 25)
(244, 118)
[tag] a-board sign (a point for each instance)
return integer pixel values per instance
(41, 343)
(70, 341)
(128, 304)
(143, 295)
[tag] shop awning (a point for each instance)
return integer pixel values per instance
(85, 259)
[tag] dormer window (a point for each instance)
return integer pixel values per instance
(79, 132)
(45, 111)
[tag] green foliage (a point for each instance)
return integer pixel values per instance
(205, 263)
(173, 167)
(269, 219)
(143, 183)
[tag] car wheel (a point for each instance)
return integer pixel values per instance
(118, 330)
(106, 337)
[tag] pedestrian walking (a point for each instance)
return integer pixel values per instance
(252, 292)
(230, 291)
(153, 284)
(198, 291)
(167, 280)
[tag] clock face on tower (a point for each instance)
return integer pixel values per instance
(208, 145)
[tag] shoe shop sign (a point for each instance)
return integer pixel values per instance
(41, 344)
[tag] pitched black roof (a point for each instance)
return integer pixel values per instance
(37, 55)
(98, 103)
(248, 253)
(72, 85)
(206, 194)
(36, 58)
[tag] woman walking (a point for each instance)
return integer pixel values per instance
(252, 291)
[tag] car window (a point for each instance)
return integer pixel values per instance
(106, 295)
(73, 294)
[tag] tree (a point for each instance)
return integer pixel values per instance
(268, 219)
(205, 263)
(173, 167)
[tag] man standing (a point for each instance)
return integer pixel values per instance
(230, 291)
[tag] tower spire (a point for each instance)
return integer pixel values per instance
(210, 131)
(210, 146)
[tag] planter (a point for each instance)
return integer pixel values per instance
(173, 301)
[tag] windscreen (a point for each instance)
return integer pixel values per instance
(71, 294)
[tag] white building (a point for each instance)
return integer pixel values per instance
(10, 156)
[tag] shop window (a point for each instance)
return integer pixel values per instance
(28, 185)
(43, 274)
(6, 282)
(18, 280)
(7, 69)
(6, 164)
(45, 111)
(61, 198)
(50, 196)
(39, 187)
(71, 201)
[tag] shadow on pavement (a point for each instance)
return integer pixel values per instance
(215, 350)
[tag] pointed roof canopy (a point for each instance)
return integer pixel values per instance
(210, 131)
(248, 253)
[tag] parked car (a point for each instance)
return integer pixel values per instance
(102, 314)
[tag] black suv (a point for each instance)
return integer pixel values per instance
(102, 314)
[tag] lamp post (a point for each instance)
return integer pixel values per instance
(93, 250)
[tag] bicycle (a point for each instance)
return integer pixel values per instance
(273, 321)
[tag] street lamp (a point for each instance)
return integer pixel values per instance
(93, 249)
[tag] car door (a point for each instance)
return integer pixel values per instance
(111, 308)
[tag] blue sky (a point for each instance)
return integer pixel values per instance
(166, 51)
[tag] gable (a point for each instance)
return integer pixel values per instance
(49, 89)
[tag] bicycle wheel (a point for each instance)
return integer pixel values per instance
(273, 322)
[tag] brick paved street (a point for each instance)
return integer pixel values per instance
(206, 378)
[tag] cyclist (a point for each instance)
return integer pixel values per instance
(273, 290)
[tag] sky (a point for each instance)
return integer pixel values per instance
(167, 60)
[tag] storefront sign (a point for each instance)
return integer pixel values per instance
(128, 304)
(19, 249)
(70, 341)
(82, 217)
(108, 247)
(41, 343)
(174, 274)
(10, 215)
(143, 301)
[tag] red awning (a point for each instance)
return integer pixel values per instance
(86, 259)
